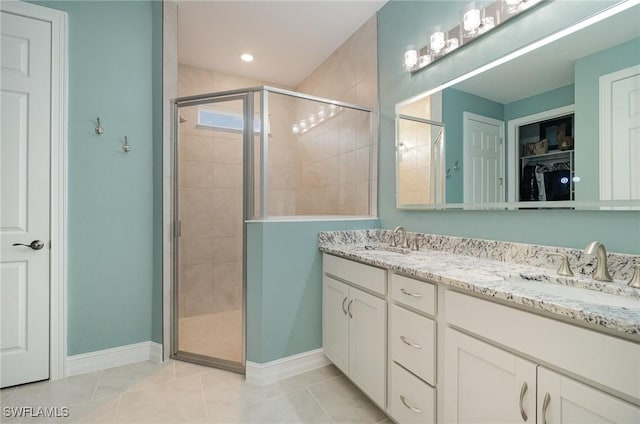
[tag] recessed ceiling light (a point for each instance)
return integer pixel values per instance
(246, 57)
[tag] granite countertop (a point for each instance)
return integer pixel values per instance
(613, 306)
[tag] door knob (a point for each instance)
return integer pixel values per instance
(35, 245)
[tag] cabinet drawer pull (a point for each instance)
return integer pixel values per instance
(404, 402)
(349, 308)
(523, 391)
(416, 295)
(408, 343)
(545, 405)
(343, 308)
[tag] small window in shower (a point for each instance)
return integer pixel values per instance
(222, 119)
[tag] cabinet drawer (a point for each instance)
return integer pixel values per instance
(411, 399)
(413, 341)
(369, 277)
(414, 293)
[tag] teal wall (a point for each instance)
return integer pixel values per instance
(284, 286)
(551, 99)
(587, 73)
(113, 283)
(405, 22)
(454, 104)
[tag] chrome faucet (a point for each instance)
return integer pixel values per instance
(601, 271)
(404, 241)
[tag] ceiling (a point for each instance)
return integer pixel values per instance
(552, 66)
(288, 39)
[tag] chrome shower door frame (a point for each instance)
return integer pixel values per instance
(246, 96)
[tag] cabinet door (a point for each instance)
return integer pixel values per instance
(367, 344)
(563, 400)
(335, 323)
(484, 384)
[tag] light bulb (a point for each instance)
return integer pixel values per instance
(410, 59)
(295, 128)
(303, 125)
(332, 109)
(436, 41)
(321, 114)
(471, 20)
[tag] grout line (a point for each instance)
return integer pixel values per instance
(326, 380)
(115, 415)
(204, 401)
(319, 404)
(95, 389)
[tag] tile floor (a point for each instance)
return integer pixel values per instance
(180, 392)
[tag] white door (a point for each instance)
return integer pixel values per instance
(367, 343)
(335, 323)
(483, 159)
(563, 400)
(484, 384)
(25, 81)
(620, 144)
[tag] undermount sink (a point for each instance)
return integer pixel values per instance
(619, 288)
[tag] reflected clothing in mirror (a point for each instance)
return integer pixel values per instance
(529, 184)
(557, 185)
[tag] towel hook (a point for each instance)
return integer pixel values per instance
(125, 147)
(99, 129)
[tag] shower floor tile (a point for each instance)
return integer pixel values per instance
(218, 335)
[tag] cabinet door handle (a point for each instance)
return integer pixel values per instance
(408, 343)
(416, 295)
(404, 402)
(523, 391)
(545, 405)
(349, 308)
(343, 308)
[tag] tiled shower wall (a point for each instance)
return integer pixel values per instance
(210, 202)
(333, 159)
(211, 197)
(210, 211)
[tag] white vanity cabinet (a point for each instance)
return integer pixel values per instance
(354, 323)
(564, 400)
(454, 357)
(485, 383)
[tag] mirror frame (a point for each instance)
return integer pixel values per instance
(608, 205)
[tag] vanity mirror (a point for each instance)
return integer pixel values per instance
(553, 125)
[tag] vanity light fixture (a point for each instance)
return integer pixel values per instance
(474, 22)
(246, 57)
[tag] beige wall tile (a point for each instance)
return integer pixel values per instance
(196, 278)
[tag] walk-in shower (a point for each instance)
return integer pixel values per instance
(257, 153)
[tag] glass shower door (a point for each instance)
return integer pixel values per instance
(209, 206)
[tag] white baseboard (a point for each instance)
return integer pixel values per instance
(279, 369)
(114, 357)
